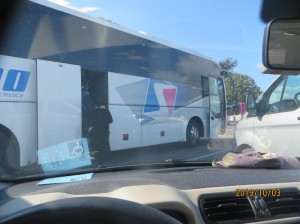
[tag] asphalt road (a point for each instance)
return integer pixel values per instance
(157, 154)
(175, 151)
(178, 151)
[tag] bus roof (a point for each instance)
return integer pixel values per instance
(51, 32)
(119, 27)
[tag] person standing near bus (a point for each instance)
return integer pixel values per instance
(99, 133)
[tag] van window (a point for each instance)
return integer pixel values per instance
(289, 100)
(284, 96)
(275, 97)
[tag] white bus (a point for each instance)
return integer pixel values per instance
(54, 66)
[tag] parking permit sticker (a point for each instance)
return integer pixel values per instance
(65, 156)
(66, 179)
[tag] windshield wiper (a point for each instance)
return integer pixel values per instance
(168, 163)
(179, 162)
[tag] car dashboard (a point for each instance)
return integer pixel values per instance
(188, 194)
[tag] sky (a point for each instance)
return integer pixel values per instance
(215, 28)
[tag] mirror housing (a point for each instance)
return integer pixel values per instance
(251, 105)
(281, 50)
(225, 74)
(256, 108)
(297, 97)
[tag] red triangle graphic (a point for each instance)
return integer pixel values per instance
(170, 96)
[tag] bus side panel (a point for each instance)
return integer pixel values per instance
(17, 79)
(126, 96)
(59, 103)
(162, 129)
(127, 90)
(202, 111)
(168, 110)
(187, 113)
(20, 119)
(125, 131)
(156, 110)
(159, 125)
(18, 104)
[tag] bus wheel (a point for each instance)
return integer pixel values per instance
(9, 152)
(193, 133)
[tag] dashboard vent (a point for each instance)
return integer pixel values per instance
(286, 204)
(226, 209)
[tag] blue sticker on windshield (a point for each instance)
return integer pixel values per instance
(66, 179)
(65, 156)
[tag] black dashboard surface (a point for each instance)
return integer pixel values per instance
(180, 178)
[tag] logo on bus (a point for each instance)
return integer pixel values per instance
(16, 82)
(157, 97)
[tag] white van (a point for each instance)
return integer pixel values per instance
(272, 123)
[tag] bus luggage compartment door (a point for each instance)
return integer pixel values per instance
(59, 102)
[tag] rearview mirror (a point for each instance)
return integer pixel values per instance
(282, 45)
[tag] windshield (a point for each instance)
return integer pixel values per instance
(90, 85)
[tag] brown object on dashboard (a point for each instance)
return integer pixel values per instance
(257, 160)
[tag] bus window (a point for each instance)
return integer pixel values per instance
(215, 98)
(205, 86)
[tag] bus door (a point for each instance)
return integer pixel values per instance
(59, 103)
(217, 118)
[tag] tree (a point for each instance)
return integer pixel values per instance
(243, 85)
(228, 64)
(239, 85)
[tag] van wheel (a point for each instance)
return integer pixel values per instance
(193, 133)
(9, 152)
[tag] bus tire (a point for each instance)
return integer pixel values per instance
(9, 152)
(193, 133)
